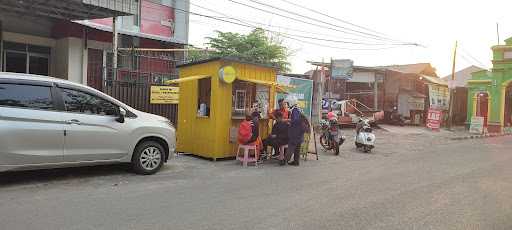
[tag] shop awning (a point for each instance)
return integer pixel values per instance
(434, 80)
(261, 82)
(186, 79)
(279, 87)
(412, 93)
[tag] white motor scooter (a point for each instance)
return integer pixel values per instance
(365, 140)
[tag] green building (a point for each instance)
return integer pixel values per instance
(490, 92)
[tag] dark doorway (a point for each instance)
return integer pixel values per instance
(95, 68)
(508, 106)
(482, 107)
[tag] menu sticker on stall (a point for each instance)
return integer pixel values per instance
(164, 95)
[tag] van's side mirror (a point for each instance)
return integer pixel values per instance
(122, 114)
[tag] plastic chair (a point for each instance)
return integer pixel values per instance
(246, 158)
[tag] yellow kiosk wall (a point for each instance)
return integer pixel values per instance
(210, 136)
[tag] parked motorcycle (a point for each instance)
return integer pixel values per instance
(397, 118)
(365, 139)
(331, 138)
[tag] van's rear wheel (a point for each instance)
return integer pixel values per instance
(148, 158)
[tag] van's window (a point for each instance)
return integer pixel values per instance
(26, 96)
(80, 102)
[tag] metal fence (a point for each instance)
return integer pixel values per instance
(131, 82)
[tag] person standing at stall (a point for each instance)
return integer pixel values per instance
(295, 132)
(283, 109)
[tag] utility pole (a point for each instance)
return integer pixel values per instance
(322, 88)
(452, 89)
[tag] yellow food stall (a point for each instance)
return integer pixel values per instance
(214, 95)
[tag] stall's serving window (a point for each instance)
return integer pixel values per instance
(249, 96)
(240, 96)
(204, 97)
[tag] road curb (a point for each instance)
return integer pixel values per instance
(490, 135)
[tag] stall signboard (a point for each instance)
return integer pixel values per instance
(164, 95)
(439, 97)
(342, 69)
(434, 118)
(227, 74)
(302, 89)
(477, 125)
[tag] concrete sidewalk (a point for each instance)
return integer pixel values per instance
(457, 133)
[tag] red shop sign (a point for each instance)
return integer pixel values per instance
(434, 119)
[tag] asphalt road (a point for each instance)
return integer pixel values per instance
(412, 181)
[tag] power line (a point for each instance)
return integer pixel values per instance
(302, 21)
(331, 17)
(472, 57)
(294, 35)
(246, 21)
(317, 20)
(468, 61)
(323, 39)
(318, 44)
(340, 48)
(223, 14)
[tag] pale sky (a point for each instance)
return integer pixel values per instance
(435, 24)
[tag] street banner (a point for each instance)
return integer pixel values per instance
(434, 118)
(477, 125)
(302, 89)
(439, 97)
(164, 95)
(342, 69)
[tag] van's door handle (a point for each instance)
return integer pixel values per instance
(73, 122)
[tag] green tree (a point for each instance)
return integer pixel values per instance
(196, 54)
(254, 47)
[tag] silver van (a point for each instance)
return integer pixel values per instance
(50, 123)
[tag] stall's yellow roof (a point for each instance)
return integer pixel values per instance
(228, 59)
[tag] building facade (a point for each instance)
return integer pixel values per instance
(76, 43)
(490, 92)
